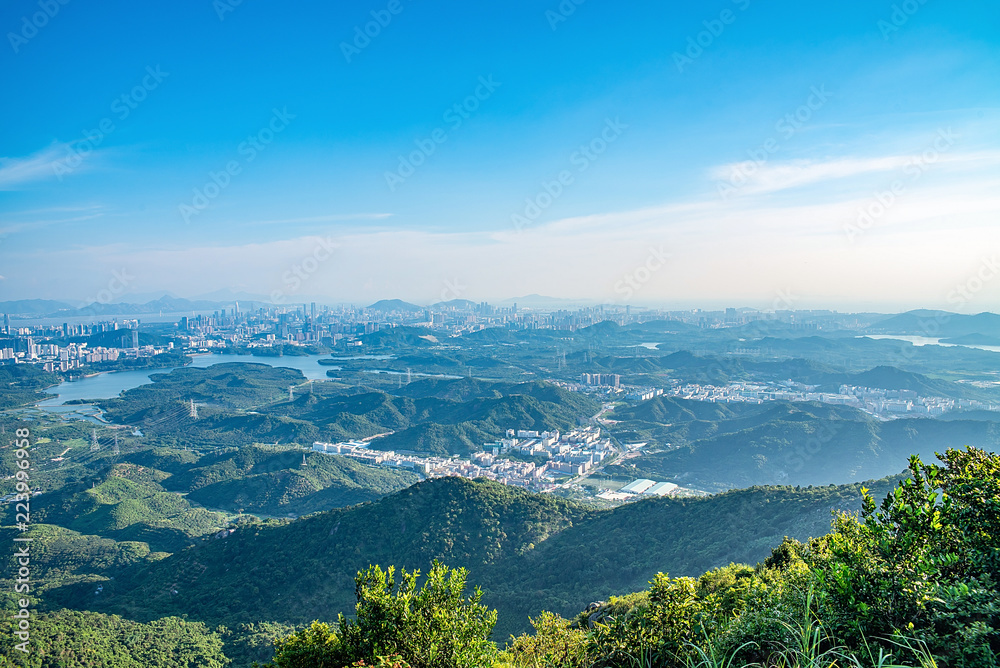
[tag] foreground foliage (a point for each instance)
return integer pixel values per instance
(430, 627)
(71, 639)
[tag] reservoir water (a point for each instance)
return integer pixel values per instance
(110, 385)
(929, 341)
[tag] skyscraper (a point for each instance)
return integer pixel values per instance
(6, 323)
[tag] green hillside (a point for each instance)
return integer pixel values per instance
(69, 638)
(529, 551)
(61, 556)
(274, 481)
(230, 385)
(910, 582)
(718, 447)
(22, 384)
(128, 505)
(440, 417)
(891, 378)
(242, 404)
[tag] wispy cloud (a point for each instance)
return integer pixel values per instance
(774, 177)
(36, 224)
(331, 218)
(84, 208)
(38, 166)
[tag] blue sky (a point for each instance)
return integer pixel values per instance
(710, 153)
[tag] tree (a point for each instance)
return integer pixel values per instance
(434, 626)
(922, 565)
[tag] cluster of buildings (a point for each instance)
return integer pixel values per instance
(61, 350)
(880, 402)
(267, 325)
(574, 453)
(897, 402)
(610, 386)
(566, 456)
(638, 489)
(601, 379)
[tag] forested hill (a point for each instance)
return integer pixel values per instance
(242, 404)
(529, 551)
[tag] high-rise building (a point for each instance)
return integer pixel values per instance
(6, 323)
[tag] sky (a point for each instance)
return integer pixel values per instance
(699, 154)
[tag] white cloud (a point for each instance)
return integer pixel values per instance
(744, 251)
(757, 178)
(38, 166)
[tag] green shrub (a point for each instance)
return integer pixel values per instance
(555, 643)
(430, 627)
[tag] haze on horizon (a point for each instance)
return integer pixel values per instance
(729, 153)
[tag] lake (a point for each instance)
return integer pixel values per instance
(929, 341)
(112, 384)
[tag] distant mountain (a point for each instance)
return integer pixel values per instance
(161, 303)
(457, 304)
(393, 338)
(974, 340)
(939, 324)
(35, 307)
(143, 297)
(663, 326)
(800, 443)
(164, 304)
(600, 330)
(388, 305)
(891, 378)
